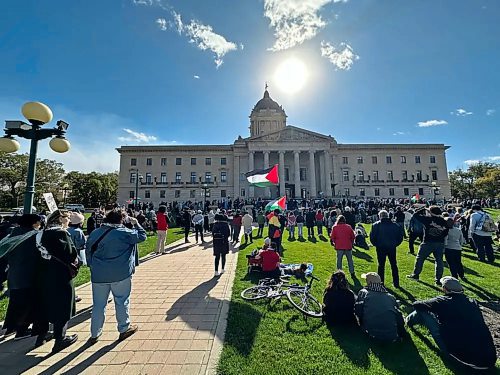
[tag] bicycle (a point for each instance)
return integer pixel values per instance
(298, 295)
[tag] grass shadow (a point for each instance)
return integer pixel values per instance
(312, 239)
(301, 239)
(362, 255)
(323, 238)
(353, 343)
(481, 292)
(305, 325)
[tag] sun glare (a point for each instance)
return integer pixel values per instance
(291, 75)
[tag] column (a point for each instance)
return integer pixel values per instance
(267, 190)
(236, 177)
(322, 177)
(312, 175)
(328, 172)
(251, 189)
(296, 164)
(282, 172)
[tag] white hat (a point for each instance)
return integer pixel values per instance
(76, 218)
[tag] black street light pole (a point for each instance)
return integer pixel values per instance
(137, 177)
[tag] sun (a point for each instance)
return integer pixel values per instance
(291, 75)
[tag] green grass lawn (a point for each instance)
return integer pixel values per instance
(83, 276)
(273, 338)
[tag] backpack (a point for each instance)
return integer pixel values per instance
(486, 224)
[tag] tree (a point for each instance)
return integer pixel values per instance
(481, 180)
(92, 189)
(13, 173)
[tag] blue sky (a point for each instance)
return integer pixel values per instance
(189, 72)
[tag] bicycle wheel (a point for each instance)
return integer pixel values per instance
(255, 292)
(305, 303)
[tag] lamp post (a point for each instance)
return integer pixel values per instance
(37, 115)
(136, 196)
(65, 190)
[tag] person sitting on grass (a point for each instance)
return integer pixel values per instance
(270, 261)
(299, 272)
(338, 301)
(360, 237)
(457, 326)
(377, 310)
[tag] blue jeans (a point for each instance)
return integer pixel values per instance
(121, 294)
(300, 226)
(429, 321)
(348, 255)
(291, 229)
(426, 249)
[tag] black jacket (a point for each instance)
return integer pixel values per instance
(23, 261)
(339, 307)
(435, 229)
(386, 235)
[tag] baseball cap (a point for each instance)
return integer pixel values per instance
(451, 284)
(371, 278)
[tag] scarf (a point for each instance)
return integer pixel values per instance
(43, 251)
(376, 287)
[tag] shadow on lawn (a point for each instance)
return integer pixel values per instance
(481, 292)
(398, 358)
(362, 255)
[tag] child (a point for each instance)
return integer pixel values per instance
(453, 249)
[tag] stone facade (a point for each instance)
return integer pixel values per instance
(311, 165)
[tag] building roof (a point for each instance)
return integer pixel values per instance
(267, 103)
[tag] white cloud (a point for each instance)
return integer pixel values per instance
(472, 161)
(137, 137)
(490, 112)
(142, 2)
(342, 57)
(461, 112)
(426, 124)
(203, 36)
(294, 21)
(399, 133)
(196, 77)
(489, 159)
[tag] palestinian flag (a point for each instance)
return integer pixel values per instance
(279, 204)
(415, 198)
(263, 177)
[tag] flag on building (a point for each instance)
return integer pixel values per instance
(415, 198)
(279, 204)
(263, 177)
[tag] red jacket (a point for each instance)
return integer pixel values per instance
(162, 221)
(342, 236)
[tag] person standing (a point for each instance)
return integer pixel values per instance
(110, 255)
(77, 236)
(186, 223)
(162, 220)
(350, 218)
(453, 243)
(480, 235)
(386, 236)
(291, 222)
(399, 217)
(220, 235)
(91, 222)
(261, 221)
(300, 225)
(236, 226)
(211, 220)
(342, 238)
(247, 222)
(198, 226)
(310, 221)
(416, 230)
(320, 221)
(57, 292)
(274, 229)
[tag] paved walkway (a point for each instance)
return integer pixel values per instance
(181, 311)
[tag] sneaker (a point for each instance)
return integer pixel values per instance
(64, 343)
(129, 332)
(463, 278)
(438, 283)
(216, 273)
(78, 299)
(93, 340)
(23, 334)
(222, 271)
(412, 276)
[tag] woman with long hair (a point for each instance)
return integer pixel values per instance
(338, 301)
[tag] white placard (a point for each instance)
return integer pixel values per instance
(51, 202)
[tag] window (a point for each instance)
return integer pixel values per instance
(345, 160)
(390, 176)
(223, 161)
(361, 175)
(391, 192)
(434, 175)
(374, 160)
(362, 192)
(417, 159)
(163, 193)
(208, 161)
(223, 194)
(193, 161)
(223, 176)
(132, 178)
(177, 194)
(419, 175)
(193, 178)
(242, 192)
(303, 174)
(131, 194)
(163, 177)
(388, 159)
(178, 177)
(360, 160)
(420, 191)
(208, 176)
(345, 175)
(403, 159)
(375, 175)
(346, 192)
(133, 162)
(192, 194)
(178, 161)
(149, 178)
(406, 192)
(432, 159)
(377, 192)
(287, 174)
(404, 175)
(147, 194)
(149, 161)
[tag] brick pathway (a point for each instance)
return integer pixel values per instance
(181, 311)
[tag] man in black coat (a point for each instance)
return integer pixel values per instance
(310, 221)
(350, 218)
(186, 223)
(386, 237)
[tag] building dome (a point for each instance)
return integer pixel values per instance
(267, 116)
(267, 103)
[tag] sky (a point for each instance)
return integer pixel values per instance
(175, 72)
